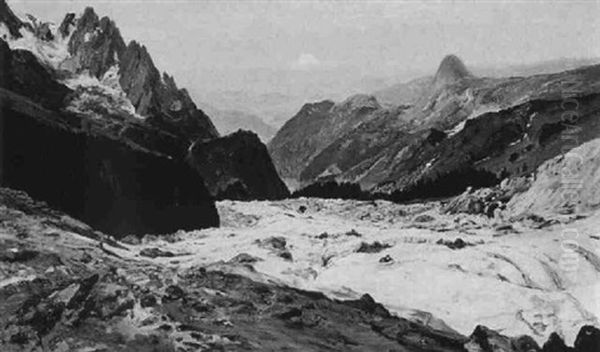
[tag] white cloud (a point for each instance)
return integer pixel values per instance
(306, 61)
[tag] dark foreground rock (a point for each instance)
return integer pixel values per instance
(105, 182)
(237, 166)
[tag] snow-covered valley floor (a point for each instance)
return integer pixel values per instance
(522, 277)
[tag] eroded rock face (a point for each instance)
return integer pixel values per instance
(95, 45)
(12, 22)
(118, 187)
(237, 166)
(130, 101)
(103, 181)
(21, 73)
(167, 106)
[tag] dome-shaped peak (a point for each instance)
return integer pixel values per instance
(451, 70)
(359, 101)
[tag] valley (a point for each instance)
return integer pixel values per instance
(455, 211)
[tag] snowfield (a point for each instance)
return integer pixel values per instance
(51, 53)
(93, 96)
(511, 276)
(105, 94)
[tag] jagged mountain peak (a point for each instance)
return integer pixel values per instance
(10, 20)
(89, 14)
(68, 23)
(451, 70)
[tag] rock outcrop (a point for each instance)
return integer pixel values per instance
(95, 44)
(237, 166)
(12, 22)
(21, 73)
(118, 91)
(114, 185)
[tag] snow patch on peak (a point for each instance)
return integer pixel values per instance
(49, 52)
(105, 94)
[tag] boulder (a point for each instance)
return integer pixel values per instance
(588, 339)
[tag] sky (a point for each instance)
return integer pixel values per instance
(213, 43)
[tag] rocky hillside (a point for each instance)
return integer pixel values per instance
(313, 128)
(117, 88)
(87, 292)
(110, 182)
(452, 125)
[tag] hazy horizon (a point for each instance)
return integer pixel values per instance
(314, 48)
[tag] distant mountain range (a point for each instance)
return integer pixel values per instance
(276, 94)
(436, 135)
(409, 91)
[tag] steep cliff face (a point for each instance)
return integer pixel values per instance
(101, 181)
(314, 128)
(296, 142)
(237, 167)
(20, 72)
(115, 88)
(10, 20)
(95, 44)
(117, 186)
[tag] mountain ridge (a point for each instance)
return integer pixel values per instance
(96, 85)
(412, 139)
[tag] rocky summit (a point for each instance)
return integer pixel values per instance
(120, 131)
(451, 70)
